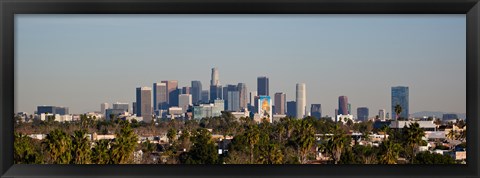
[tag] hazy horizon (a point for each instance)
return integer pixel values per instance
(81, 61)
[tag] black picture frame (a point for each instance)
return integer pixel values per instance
(8, 9)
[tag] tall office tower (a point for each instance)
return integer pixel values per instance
(242, 92)
(349, 108)
(381, 114)
(172, 92)
(144, 103)
(252, 98)
(186, 90)
(215, 79)
(301, 99)
(160, 99)
(233, 101)
(184, 101)
(362, 114)
(316, 110)
(291, 109)
(262, 86)
(196, 91)
(400, 97)
(280, 99)
(215, 87)
(216, 92)
(103, 107)
(342, 105)
(227, 89)
(134, 107)
(205, 96)
(121, 106)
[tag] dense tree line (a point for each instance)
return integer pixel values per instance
(288, 141)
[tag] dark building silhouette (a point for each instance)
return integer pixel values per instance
(262, 86)
(316, 110)
(196, 91)
(362, 114)
(342, 105)
(292, 109)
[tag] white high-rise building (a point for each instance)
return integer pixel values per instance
(184, 100)
(215, 81)
(103, 107)
(301, 98)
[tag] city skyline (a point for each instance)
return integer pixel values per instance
(366, 78)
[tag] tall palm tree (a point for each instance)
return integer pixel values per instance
(58, 145)
(253, 136)
(81, 149)
(398, 110)
(304, 139)
(414, 137)
(337, 143)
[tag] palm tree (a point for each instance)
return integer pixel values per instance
(414, 137)
(24, 150)
(336, 144)
(100, 153)
(390, 152)
(58, 145)
(385, 129)
(81, 148)
(253, 136)
(398, 110)
(304, 139)
(124, 144)
(451, 134)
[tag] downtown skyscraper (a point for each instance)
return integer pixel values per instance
(172, 92)
(280, 103)
(242, 89)
(301, 99)
(343, 105)
(160, 99)
(215, 87)
(144, 103)
(263, 86)
(400, 97)
(196, 91)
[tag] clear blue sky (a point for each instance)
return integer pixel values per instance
(80, 61)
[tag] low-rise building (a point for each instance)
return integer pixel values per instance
(425, 125)
(208, 110)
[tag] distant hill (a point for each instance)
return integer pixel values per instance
(437, 114)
